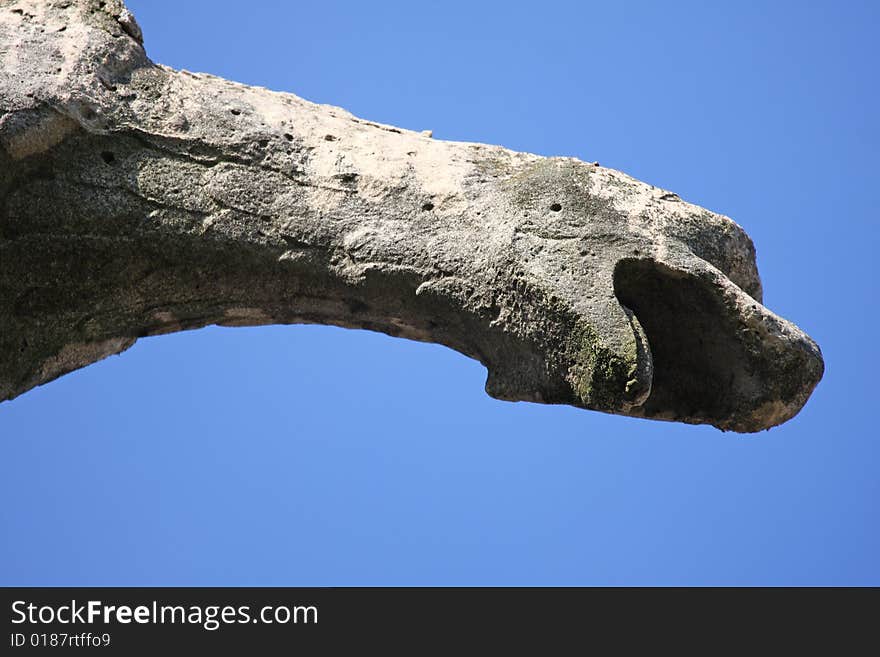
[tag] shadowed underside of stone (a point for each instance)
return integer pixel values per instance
(137, 200)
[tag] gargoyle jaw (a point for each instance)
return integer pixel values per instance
(719, 357)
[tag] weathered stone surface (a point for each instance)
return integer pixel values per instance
(137, 200)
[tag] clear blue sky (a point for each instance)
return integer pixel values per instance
(321, 456)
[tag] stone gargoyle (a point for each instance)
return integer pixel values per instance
(137, 200)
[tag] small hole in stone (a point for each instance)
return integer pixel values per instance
(329, 138)
(107, 84)
(555, 207)
(108, 157)
(263, 143)
(428, 207)
(235, 112)
(288, 136)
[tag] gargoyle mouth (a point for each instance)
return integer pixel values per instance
(719, 356)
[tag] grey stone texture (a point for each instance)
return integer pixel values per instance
(137, 200)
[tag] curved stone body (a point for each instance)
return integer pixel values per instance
(137, 200)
